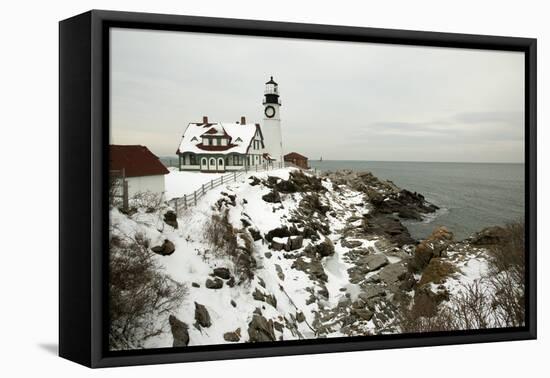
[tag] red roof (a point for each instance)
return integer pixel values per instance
(294, 155)
(135, 160)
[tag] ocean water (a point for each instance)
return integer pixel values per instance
(471, 195)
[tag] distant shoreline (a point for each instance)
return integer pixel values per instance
(166, 158)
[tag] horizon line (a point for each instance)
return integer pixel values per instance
(423, 161)
(401, 161)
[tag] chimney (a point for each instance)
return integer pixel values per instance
(243, 120)
(204, 119)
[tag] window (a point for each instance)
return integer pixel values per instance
(205, 141)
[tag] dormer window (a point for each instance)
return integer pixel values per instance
(194, 139)
(238, 139)
(206, 141)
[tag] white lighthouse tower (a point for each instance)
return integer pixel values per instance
(271, 127)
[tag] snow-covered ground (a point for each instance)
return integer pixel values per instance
(179, 183)
(295, 290)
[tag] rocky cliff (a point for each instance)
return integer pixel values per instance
(288, 255)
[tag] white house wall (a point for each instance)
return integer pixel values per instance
(154, 184)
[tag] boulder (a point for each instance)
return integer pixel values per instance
(393, 273)
(254, 233)
(294, 242)
(389, 227)
(216, 283)
(281, 232)
(260, 329)
(259, 296)
(171, 219)
(300, 317)
(490, 236)
(179, 331)
(255, 181)
(363, 314)
(371, 291)
(433, 246)
(272, 197)
(374, 262)
(280, 273)
(222, 273)
(323, 249)
(202, 317)
(314, 268)
(233, 337)
(409, 213)
(278, 244)
(351, 243)
(231, 281)
(166, 249)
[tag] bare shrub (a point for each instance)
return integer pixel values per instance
(226, 241)
(140, 293)
(115, 191)
(422, 314)
(494, 301)
(508, 298)
(147, 200)
(507, 277)
(471, 307)
(436, 272)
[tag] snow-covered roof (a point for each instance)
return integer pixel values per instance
(239, 137)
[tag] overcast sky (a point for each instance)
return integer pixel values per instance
(341, 101)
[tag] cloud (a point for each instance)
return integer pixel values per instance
(495, 116)
(340, 100)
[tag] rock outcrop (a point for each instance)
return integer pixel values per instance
(260, 329)
(166, 249)
(179, 331)
(171, 219)
(202, 317)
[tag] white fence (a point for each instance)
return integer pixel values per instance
(191, 199)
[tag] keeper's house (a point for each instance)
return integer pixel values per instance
(141, 169)
(221, 147)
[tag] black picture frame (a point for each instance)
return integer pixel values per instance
(83, 167)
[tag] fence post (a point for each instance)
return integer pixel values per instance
(185, 201)
(211, 184)
(235, 176)
(125, 205)
(195, 193)
(176, 202)
(203, 191)
(222, 180)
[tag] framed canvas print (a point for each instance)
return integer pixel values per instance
(235, 188)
